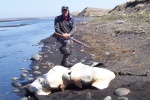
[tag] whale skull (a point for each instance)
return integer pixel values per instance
(60, 77)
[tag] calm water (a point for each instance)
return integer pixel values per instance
(16, 47)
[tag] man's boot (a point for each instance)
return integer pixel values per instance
(65, 62)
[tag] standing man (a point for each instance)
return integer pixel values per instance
(64, 28)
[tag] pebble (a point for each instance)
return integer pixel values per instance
(35, 45)
(108, 98)
(89, 96)
(107, 53)
(23, 75)
(25, 71)
(44, 67)
(16, 84)
(15, 90)
(35, 67)
(45, 56)
(49, 64)
(30, 79)
(113, 34)
(40, 53)
(120, 21)
(37, 72)
(81, 50)
(57, 49)
(36, 57)
(122, 98)
(30, 75)
(22, 69)
(122, 91)
(14, 79)
(24, 98)
(82, 60)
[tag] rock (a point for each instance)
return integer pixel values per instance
(45, 56)
(40, 53)
(25, 71)
(108, 98)
(107, 53)
(122, 98)
(81, 50)
(22, 69)
(16, 84)
(113, 34)
(23, 75)
(14, 79)
(30, 75)
(82, 60)
(15, 90)
(51, 52)
(73, 60)
(24, 98)
(30, 79)
(36, 57)
(37, 72)
(48, 64)
(35, 44)
(35, 67)
(45, 67)
(120, 22)
(122, 91)
(89, 96)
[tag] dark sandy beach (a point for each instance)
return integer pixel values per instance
(119, 40)
(122, 48)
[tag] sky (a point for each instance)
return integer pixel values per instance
(46, 8)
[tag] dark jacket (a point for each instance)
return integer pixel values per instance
(62, 26)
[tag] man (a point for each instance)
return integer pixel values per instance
(64, 28)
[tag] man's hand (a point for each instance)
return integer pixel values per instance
(65, 35)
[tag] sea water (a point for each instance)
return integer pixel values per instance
(16, 40)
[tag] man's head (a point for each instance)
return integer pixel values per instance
(65, 11)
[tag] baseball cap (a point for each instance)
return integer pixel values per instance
(65, 8)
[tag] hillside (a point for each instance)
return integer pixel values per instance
(75, 13)
(93, 12)
(133, 6)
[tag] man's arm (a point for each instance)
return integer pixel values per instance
(74, 27)
(58, 32)
(56, 25)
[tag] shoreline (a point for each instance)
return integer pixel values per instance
(119, 52)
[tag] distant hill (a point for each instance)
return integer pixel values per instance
(75, 13)
(132, 7)
(93, 12)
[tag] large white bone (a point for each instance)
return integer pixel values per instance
(52, 80)
(54, 77)
(81, 74)
(38, 87)
(102, 77)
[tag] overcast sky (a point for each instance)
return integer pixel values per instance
(42, 8)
